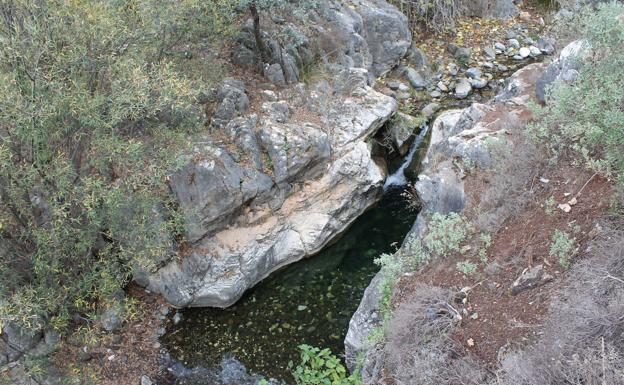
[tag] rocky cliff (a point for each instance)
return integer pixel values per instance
(277, 183)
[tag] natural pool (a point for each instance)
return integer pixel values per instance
(308, 302)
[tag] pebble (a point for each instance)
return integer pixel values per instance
(525, 52)
(489, 52)
(442, 87)
(435, 94)
(145, 380)
(514, 43)
(518, 57)
(453, 69)
(502, 68)
(393, 85)
(473, 73)
(478, 83)
(500, 46)
(488, 65)
(403, 87)
(535, 51)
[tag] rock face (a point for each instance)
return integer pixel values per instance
(368, 34)
(276, 192)
(565, 67)
(458, 137)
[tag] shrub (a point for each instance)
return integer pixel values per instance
(589, 305)
(466, 267)
(321, 367)
(93, 117)
(583, 120)
(435, 14)
(562, 247)
(445, 233)
(418, 349)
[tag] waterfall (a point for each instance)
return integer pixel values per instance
(398, 177)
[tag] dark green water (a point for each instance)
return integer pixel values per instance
(308, 302)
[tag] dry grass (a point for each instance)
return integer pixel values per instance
(418, 350)
(510, 183)
(583, 338)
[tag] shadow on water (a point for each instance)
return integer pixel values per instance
(309, 302)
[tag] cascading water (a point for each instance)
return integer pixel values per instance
(398, 178)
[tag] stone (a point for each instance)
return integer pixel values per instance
(453, 69)
(145, 380)
(232, 101)
(518, 57)
(489, 52)
(478, 83)
(500, 46)
(502, 68)
(463, 89)
(403, 87)
(435, 94)
(401, 129)
(473, 73)
(535, 52)
(430, 109)
(568, 60)
(529, 279)
(275, 74)
(514, 43)
(416, 78)
(442, 87)
(524, 52)
(546, 46)
(393, 85)
(463, 53)
(416, 57)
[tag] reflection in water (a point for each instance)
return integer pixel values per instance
(308, 302)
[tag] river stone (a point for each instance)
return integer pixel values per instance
(473, 73)
(524, 52)
(500, 46)
(462, 89)
(416, 78)
(478, 83)
(535, 52)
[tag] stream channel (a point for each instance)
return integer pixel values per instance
(309, 302)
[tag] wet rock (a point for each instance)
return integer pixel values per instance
(530, 279)
(401, 128)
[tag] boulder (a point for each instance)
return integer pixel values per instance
(570, 58)
(244, 222)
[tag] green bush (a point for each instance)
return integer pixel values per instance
(446, 233)
(584, 119)
(562, 247)
(321, 367)
(94, 112)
